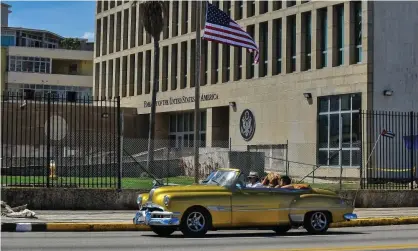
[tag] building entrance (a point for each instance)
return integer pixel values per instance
(181, 132)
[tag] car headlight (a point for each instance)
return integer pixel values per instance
(139, 201)
(166, 200)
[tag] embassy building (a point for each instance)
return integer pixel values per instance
(320, 64)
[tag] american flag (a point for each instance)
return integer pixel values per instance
(219, 27)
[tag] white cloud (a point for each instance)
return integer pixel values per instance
(88, 35)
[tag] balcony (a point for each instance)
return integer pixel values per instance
(51, 53)
(49, 79)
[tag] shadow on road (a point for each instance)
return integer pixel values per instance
(216, 234)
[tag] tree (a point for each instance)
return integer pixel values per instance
(153, 15)
(70, 44)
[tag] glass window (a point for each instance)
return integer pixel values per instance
(29, 64)
(339, 130)
(184, 132)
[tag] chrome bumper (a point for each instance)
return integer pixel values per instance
(156, 218)
(350, 216)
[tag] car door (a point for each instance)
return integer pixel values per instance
(283, 198)
(253, 207)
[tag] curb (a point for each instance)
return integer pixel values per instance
(122, 226)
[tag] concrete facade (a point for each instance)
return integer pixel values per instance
(292, 57)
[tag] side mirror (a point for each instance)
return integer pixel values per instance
(238, 186)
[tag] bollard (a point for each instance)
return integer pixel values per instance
(52, 169)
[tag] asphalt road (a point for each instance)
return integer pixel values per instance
(343, 239)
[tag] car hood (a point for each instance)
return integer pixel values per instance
(190, 188)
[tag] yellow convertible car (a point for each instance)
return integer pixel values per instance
(223, 201)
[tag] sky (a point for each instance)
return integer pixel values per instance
(65, 18)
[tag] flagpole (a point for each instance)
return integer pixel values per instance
(197, 93)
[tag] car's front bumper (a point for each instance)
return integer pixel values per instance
(156, 218)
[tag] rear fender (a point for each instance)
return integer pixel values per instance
(305, 203)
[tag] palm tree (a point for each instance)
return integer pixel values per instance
(153, 15)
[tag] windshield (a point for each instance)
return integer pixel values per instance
(221, 178)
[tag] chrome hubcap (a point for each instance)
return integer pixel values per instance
(318, 221)
(196, 221)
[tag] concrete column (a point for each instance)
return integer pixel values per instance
(114, 78)
(138, 22)
(101, 36)
(121, 76)
(315, 53)
(299, 41)
(160, 77)
(232, 64)
(170, 23)
(180, 19)
(209, 128)
(128, 75)
(285, 59)
(107, 79)
(271, 3)
(331, 50)
(189, 18)
(115, 31)
(190, 78)
(108, 36)
(170, 61)
(179, 75)
(349, 49)
(270, 44)
(99, 91)
(122, 29)
(257, 40)
(220, 62)
(129, 30)
(144, 71)
(209, 65)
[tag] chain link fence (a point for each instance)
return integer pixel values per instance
(175, 165)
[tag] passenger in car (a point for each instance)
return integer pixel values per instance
(271, 180)
(254, 180)
(285, 182)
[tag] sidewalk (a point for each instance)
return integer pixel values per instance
(126, 216)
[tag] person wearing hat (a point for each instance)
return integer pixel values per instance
(254, 180)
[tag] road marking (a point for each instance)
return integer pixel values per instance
(349, 248)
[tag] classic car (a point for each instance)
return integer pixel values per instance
(222, 201)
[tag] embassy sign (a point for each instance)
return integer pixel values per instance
(182, 100)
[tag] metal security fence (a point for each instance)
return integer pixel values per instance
(50, 142)
(390, 143)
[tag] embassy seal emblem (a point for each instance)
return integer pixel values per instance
(247, 125)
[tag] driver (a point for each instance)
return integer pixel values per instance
(254, 180)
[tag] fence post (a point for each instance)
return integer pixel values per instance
(361, 147)
(120, 146)
(48, 136)
(287, 157)
(411, 133)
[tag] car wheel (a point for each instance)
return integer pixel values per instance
(195, 223)
(163, 231)
(317, 222)
(282, 229)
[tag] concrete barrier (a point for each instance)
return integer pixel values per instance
(110, 199)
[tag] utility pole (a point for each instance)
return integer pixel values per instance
(197, 93)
